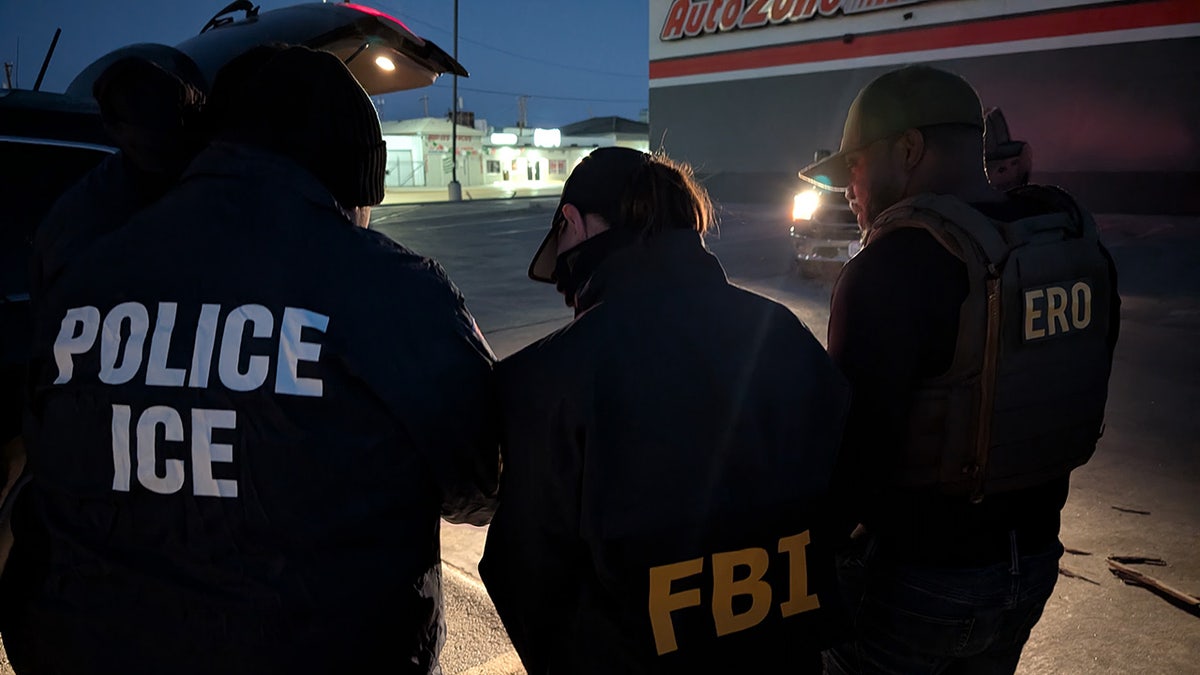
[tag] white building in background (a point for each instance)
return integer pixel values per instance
(419, 153)
(608, 131)
(530, 156)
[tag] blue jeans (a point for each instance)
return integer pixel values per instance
(911, 619)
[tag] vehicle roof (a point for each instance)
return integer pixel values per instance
(52, 116)
(356, 34)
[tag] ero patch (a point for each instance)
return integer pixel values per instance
(1057, 309)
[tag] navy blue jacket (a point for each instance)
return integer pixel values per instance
(247, 419)
(666, 455)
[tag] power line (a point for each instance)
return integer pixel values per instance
(552, 63)
(547, 96)
(411, 19)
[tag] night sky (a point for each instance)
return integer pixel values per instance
(574, 59)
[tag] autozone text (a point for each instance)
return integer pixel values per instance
(690, 18)
(1057, 310)
(754, 562)
(121, 337)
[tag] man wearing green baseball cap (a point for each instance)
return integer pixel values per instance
(970, 406)
(904, 100)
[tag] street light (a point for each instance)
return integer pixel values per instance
(455, 188)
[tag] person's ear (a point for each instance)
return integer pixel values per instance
(912, 146)
(576, 227)
(573, 217)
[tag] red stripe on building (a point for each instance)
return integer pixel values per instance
(985, 31)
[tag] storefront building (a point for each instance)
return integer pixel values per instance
(532, 157)
(1106, 94)
(515, 157)
(420, 153)
(420, 150)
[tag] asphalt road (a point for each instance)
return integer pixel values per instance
(1138, 496)
(486, 248)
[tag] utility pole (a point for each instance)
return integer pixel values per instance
(521, 111)
(425, 103)
(455, 188)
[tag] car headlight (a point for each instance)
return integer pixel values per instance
(805, 204)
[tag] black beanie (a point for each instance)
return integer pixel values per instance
(227, 97)
(306, 104)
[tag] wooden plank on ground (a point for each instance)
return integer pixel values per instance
(1132, 576)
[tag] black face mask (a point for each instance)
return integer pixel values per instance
(575, 266)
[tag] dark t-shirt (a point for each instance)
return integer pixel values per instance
(893, 323)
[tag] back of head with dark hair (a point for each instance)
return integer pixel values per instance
(139, 92)
(152, 114)
(639, 191)
(633, 191)
(666, 195)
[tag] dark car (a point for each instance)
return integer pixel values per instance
(48, 141)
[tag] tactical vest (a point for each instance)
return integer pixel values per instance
(1023, 400)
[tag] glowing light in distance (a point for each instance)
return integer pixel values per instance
(805, 204)
(547, 138)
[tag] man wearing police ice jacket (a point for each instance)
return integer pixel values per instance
(665, 454)
(976, 328)
(249, 415)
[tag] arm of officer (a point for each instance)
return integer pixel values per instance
(455, 422)
(893, 320)
(534, 557)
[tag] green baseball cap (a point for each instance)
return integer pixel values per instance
(908, 98)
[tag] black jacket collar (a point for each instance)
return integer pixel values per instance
(668, 258)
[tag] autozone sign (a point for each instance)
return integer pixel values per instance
(692, 18)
